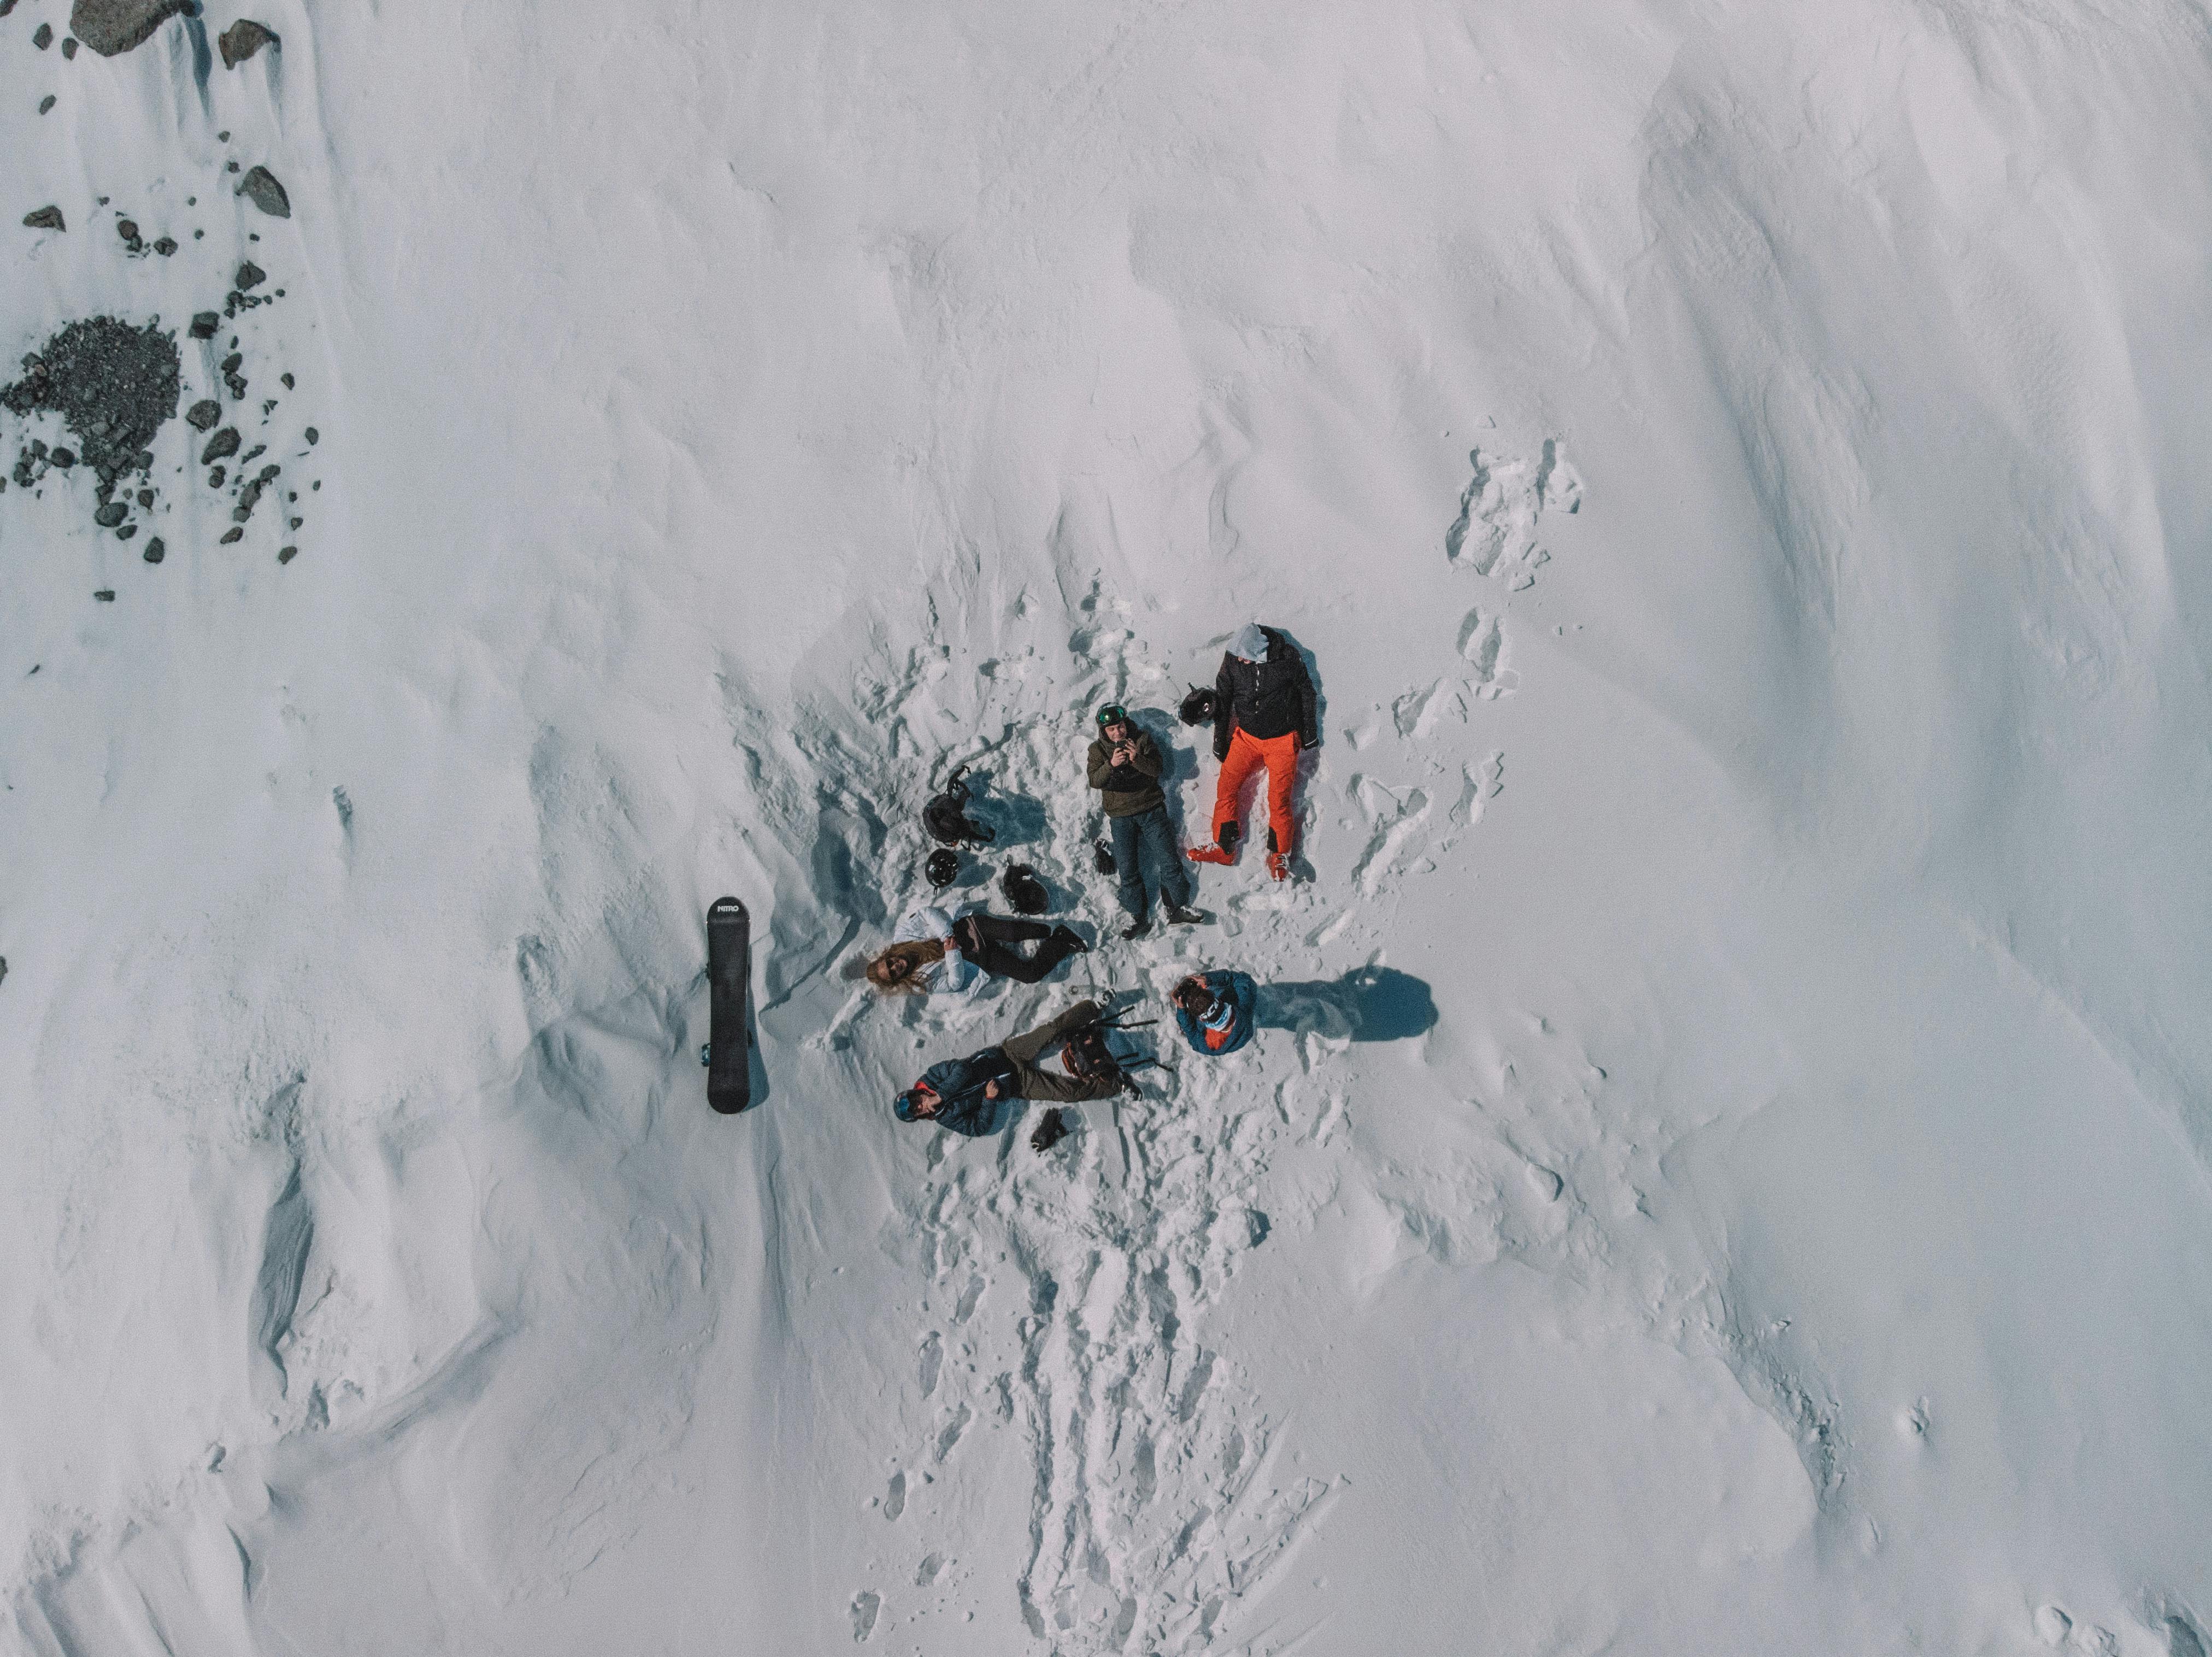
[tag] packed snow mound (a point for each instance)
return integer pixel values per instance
(1723, 1165)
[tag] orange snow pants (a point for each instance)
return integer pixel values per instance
(1248, 753)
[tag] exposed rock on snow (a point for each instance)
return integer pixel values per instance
(260, 188)
(109, 26)
(242, 39)
(223, 443)
(43, 36)
(203, 415)
(113, 385)
(45, 218)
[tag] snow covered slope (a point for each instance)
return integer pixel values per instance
(1725, 1168)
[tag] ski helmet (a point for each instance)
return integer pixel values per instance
(943, 866)
(1113, 713)
(1197, 706)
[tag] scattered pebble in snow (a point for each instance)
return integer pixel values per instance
(43, 36)
(46, 103)
(45, 218)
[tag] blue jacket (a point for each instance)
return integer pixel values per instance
(1244, 996)
(959, 1083)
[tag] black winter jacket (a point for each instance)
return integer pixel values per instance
(1267, 698)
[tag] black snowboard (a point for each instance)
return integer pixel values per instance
(729, 974)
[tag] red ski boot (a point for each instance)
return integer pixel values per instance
(1278, 866)
(1210, 854)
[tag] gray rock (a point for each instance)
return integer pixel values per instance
(105, 595)
(45, 218)
(126, 531)
(127, 229)
(155, 552)
(166, 246)
(242, 39)
(46, 103)
(203, 415)
(109, 26)
(43, 36)
(111, 514)
(260, 188)
(114, 387)
(286, 554)
(69, 47)
(250, 274)
(313, 437)
(223, 442)
(205, 323)
(230, 535)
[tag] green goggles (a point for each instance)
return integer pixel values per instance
(1113, 713)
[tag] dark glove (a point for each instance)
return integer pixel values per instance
(1128, 1082)
(1050, 1131)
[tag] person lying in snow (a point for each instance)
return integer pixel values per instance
(977, 1095)
(1125, 768)
(1214, 1010)
(953, 954)
(1263, 715)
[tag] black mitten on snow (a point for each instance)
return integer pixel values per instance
(1050, 1131)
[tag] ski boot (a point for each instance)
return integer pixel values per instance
(1279, 865)
(1210, 854)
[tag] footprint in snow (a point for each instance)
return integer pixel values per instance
(1495, 533)
(865, 1604)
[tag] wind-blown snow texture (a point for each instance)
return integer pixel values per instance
(1724, 1165)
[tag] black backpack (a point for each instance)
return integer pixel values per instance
(1024, 891)
(947, 817)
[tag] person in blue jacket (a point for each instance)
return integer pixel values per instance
(1214, 1010)
(975, 1095)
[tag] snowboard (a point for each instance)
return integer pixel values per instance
(729, 976)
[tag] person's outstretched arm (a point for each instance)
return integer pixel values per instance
(1309, 725)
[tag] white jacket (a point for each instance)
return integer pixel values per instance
(955, 975)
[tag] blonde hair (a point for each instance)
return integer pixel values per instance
(917, 956)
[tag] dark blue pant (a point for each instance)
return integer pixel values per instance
(1144, 854)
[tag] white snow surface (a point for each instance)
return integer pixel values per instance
(1725, 1170)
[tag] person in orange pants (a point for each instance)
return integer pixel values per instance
(1263, 716)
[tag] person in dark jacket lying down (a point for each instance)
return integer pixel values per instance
(978, 1096)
